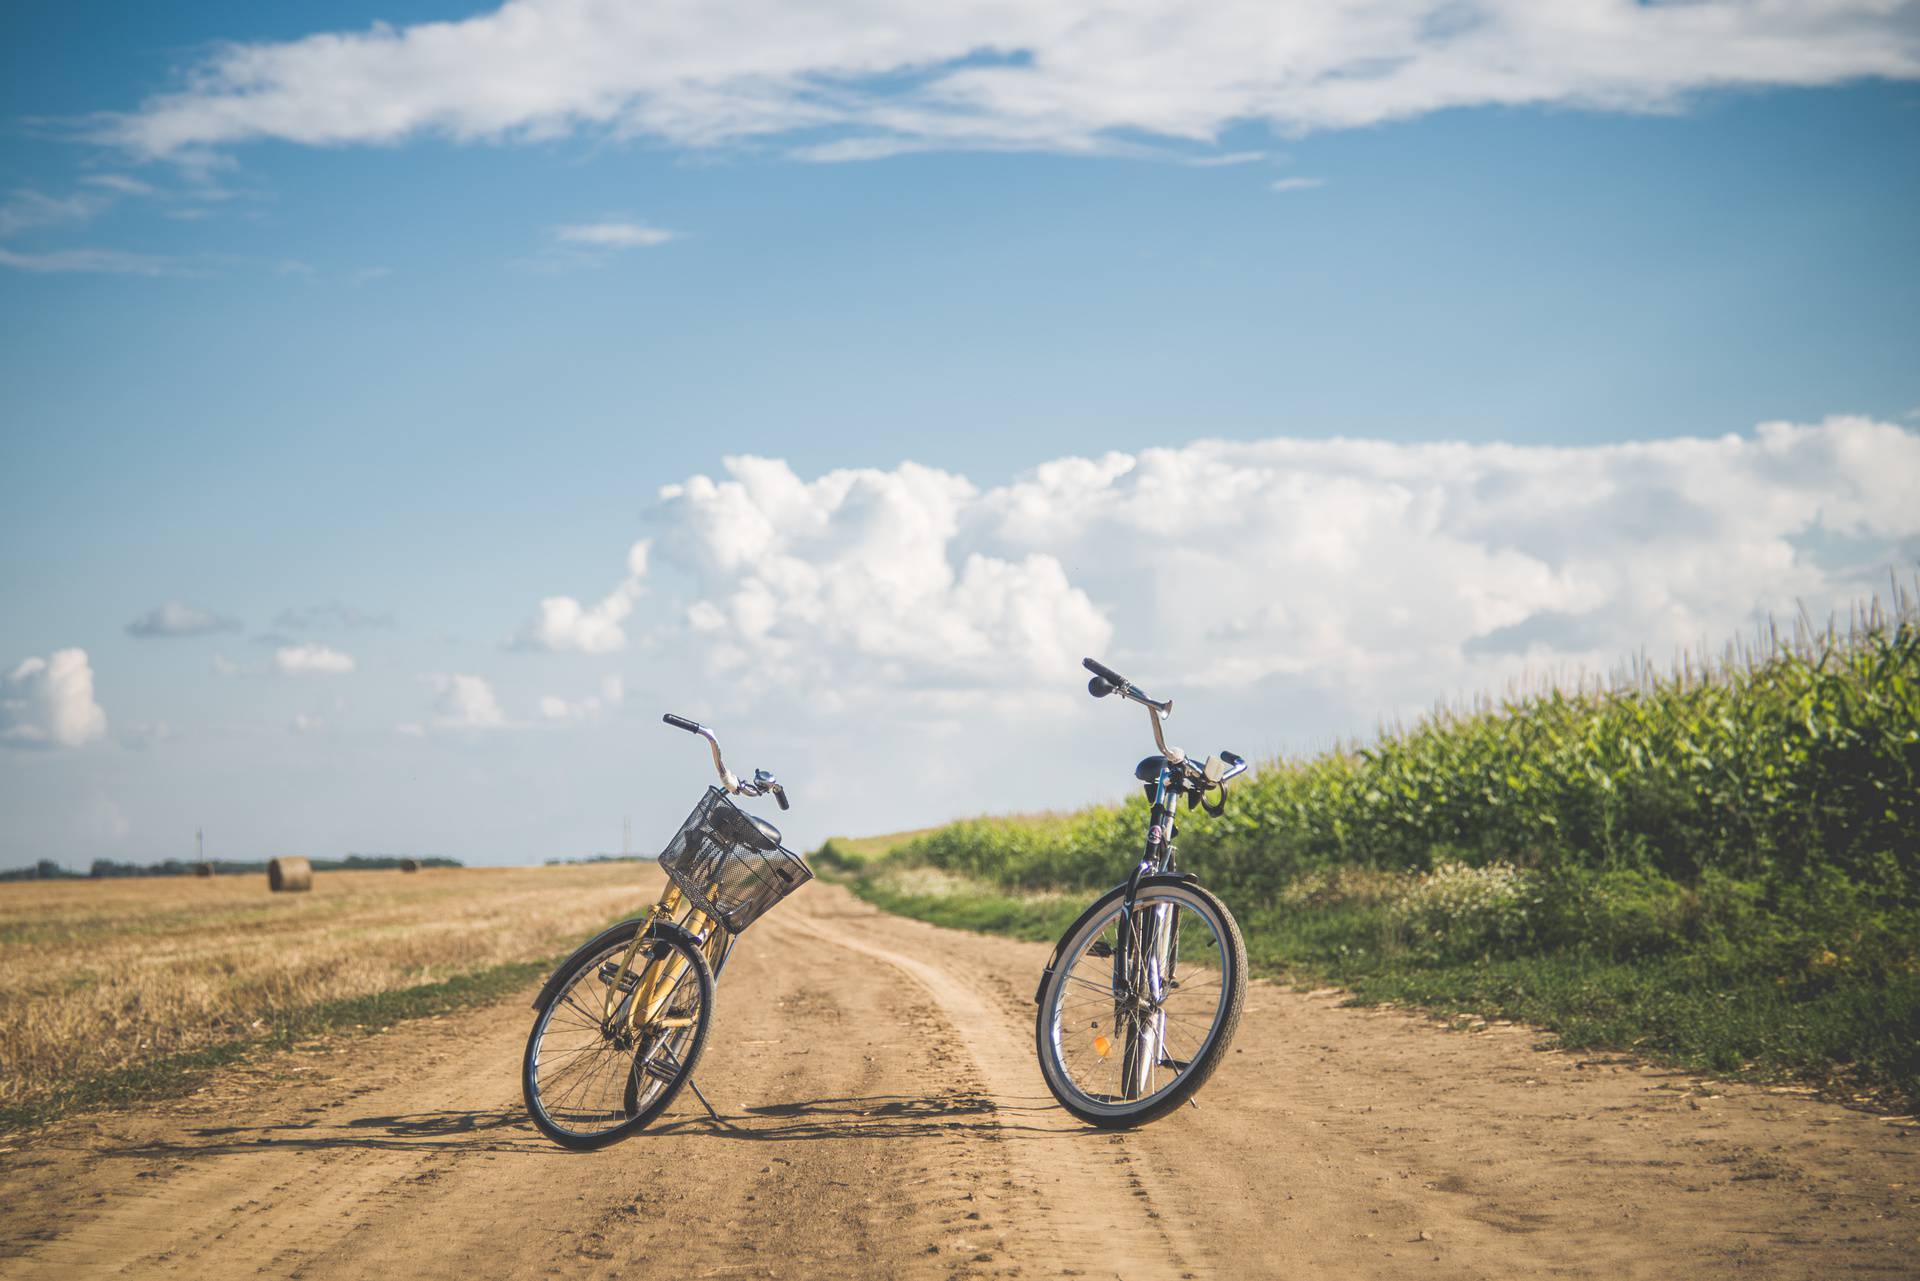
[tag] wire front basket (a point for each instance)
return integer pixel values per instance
(729, 867)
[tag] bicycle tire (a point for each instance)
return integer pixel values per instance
(1110, 1113)
(614, 944)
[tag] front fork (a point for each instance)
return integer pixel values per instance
(1140, 994)
(1143, 964)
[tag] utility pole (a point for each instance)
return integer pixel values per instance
(626, 836)
(200, 844)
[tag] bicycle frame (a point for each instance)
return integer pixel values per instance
(655, 983)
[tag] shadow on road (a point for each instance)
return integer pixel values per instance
(880, 1116)
(871, 1117)
(493, 1131)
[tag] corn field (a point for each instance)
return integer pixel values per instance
(1717, 862)
(1793, 759)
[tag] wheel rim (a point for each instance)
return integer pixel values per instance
(1119, 1041)
(589, 1077)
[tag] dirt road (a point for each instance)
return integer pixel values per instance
(886, 1118)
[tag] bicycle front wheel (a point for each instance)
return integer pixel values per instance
(590, 1078)
(1141, 1006)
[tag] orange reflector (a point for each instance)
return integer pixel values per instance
(1102, 1046)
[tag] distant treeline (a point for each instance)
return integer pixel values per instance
(601, 858)
(48, 870)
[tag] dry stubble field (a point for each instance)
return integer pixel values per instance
(110, 976)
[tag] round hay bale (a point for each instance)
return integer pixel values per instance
(289, 875)
(409, 864)
(203, 869)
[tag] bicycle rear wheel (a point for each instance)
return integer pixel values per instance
(588, 1081)
(1139, 1010)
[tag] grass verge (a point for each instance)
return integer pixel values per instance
(1737, 1012)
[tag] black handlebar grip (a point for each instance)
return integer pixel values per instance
(681, 722)
(1103, 671)
(781, 796)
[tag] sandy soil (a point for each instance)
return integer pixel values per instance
(885, 1117)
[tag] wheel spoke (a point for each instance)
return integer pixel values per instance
(586, 1080)
(1112, 1057)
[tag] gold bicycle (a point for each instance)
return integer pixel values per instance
(622, 1021)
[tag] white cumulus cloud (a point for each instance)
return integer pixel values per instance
(863, 579)
(1366, 577)
(1070, 75)
(48, 702)
(463, 701)
(311, 660)
(561, 624)
(291, 660)
(613, 691)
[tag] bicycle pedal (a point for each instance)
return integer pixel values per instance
(626, 982)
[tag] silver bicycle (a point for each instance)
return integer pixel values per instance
(1143, 993)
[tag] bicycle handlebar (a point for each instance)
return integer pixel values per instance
(1107, 681)
(763, 783)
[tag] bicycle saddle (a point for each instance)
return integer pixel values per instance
(737, 827)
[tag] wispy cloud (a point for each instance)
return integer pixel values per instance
(571, 246)
(177, 618)
(120, 183)
(1071, 76)
(95, 262)
(29, 210)
(1297, 184)
(613, 692)
(330, 615)
(613, 234)
(1230, 158)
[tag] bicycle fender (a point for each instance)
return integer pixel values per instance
(661, 929)
(580, 953)
(1129, 887)
(671, 930)
(566, 967)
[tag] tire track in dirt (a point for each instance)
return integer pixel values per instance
(885, 1117)
(1087, 1200)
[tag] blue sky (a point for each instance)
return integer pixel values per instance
(370, 346)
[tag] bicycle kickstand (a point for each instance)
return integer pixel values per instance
(717, 1118)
